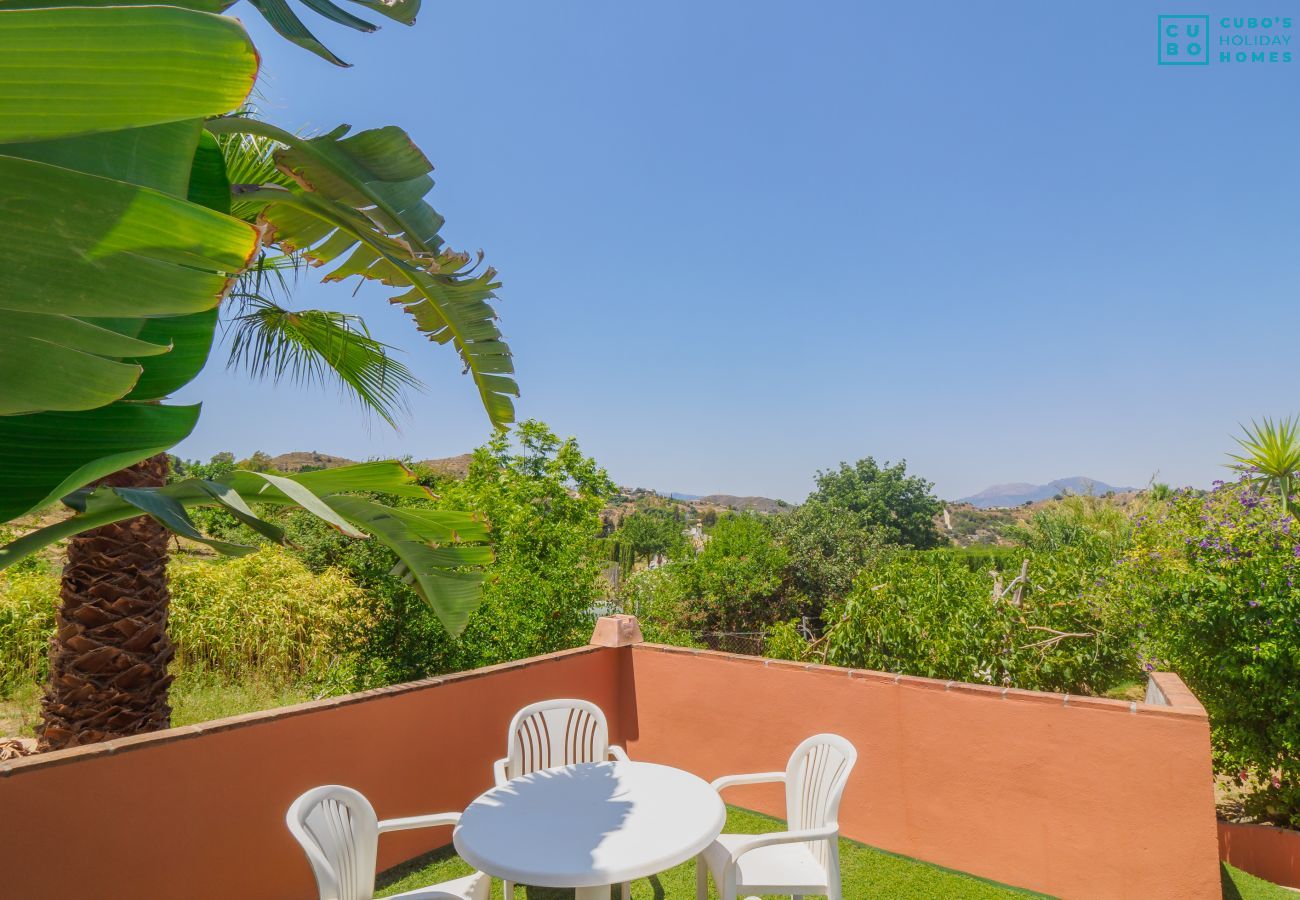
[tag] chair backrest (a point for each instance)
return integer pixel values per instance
(556, 733)
(815, 778)
(338, 829)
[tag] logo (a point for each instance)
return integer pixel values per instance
(1184, 40)
(1187, 41)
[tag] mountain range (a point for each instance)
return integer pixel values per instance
(1017, 493)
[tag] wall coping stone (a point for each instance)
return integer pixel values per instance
(185, 732)
(1177, 700)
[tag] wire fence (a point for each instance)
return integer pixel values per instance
(746, 643)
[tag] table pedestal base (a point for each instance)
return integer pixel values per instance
(595, 893)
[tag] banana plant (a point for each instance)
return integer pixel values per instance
(124, 234)
(121, 241)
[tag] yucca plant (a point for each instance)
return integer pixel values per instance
(1272, 456)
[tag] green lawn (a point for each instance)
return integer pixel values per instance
(867, 873)
(194, 696)
(1237, 885)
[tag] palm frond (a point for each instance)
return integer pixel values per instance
(318, 346)
(250, 159)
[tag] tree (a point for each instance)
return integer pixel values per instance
(828, 547)
(117, 128)
(737, 582)
(544, 498)
(903, 507)
(650, 532)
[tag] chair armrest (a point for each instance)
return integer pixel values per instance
(785, 837)
(430, 821)
(499, 771)
(618, 753)
(727, 781)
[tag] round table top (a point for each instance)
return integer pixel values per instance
(590, 825)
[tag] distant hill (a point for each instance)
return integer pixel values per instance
(299, 460)
(311, 460)
(1016, 493)
(747, 504)
(453, 466)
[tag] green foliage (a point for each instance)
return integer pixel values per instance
(265, 617)
(982, 557)
(1272, 456)
(785, 640)
(1211, 581)
(655, 597)
(543, 500)
(826, 547)
(650, 532)
(902, 506)
(738, 581)
(114, 310)
(1094, 527)
(27, 604)
(936, 616)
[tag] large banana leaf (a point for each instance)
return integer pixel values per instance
(73, 70)
(438, 551)
(111, 276)
(45, 455)
(280, 16)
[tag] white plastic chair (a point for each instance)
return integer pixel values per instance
(803, 860)
(339, 832)
(555, 733)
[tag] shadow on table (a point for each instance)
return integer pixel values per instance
(446, 856)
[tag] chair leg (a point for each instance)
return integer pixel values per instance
(701, 879)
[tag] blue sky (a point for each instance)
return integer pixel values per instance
(741, 241)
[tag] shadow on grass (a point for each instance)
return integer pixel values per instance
(1230, 891)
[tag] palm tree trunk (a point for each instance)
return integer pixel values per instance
(109, 654)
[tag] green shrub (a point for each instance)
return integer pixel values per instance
(265, 615)
(1212, 582)
(28, 600)
(654, 596)
(933, 615)
(982, 557)
(786, 641)
(738, 582)
(543, 501)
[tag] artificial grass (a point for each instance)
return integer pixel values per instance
(867, 872)
(1239, 885)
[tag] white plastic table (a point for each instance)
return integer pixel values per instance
(590, 826)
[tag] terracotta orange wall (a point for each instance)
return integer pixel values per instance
(198, 812)
(1074, 797)
(1271, 853)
